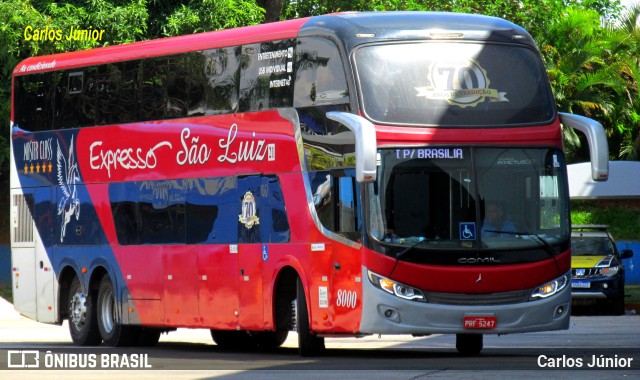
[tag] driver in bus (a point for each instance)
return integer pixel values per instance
(495, 221)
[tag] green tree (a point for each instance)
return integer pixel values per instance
(533, 15)
(206, 15)
(630, 144)
(591, 74)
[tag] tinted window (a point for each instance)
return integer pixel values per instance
(335, 201)
(320, 75)
(216, 81)
(153, 95)
(266, 78)
(117, 93)
(453, 84)
(226, 210)
(33, 101)
(221, 66)
(148, 212)
(69, 100)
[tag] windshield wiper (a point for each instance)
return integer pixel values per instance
(412, 246)
(545, 244)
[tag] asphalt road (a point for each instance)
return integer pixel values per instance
(595, 347)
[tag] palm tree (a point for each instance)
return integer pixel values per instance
(590, 73)
(630, 142)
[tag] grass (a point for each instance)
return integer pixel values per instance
(624, 222)
(632, 294)
(5, 292)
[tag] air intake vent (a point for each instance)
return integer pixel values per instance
(23, 221)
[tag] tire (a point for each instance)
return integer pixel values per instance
(83, 325)
(469, 344)
(112, 331)
(269, 340)
(308, 344)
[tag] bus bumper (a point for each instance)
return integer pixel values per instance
(384, 313)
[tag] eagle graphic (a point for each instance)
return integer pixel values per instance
(68, 177)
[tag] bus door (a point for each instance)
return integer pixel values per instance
(251, 253)
(346, 287)
(32, 273)
(251, 315)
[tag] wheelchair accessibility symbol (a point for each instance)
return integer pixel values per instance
(467, 231)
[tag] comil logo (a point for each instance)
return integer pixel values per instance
(23, 359)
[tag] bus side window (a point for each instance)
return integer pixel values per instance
(335, 200)
(221, 68)
(34, 96)
(320, 78)
(273, 211)
(117, 93)
(323, 198)
(266, 75)
(153, 96)
(346, 208)
(177, 88)
(68, 94)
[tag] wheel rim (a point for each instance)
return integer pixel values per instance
(107, 310)
(78, 310)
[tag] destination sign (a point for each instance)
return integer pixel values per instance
(441, 153)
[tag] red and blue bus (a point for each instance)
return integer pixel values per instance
(335, 175)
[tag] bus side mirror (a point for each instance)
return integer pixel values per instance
(366, 149)
(597, 139)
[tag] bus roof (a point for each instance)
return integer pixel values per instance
(351, 28)
(354, 28)
(161, 46)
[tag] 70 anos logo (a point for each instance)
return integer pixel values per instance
(463, 83)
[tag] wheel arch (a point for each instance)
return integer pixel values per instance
(67, 274)
(284, 293)
(284, 290)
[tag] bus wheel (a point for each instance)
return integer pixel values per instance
(469, 344)
(269, 340)
(112, 331)
(83, 325)
(308, 344)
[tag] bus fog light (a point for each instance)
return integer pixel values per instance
(388, 313)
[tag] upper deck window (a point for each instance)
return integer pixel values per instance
(453, 84)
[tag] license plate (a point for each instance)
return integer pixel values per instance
(580, 284)
(479, 322)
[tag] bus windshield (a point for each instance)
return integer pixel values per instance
(462, 198)
(453, 84)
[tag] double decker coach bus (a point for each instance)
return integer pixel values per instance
(332, 175)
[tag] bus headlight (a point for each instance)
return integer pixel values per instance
(550, 288)
(398, 289)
